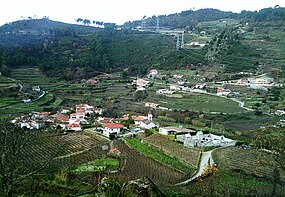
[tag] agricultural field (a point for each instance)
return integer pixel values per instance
(253, 162)
(174, 149)
(67, 150)
(199, 103)
(138, 166)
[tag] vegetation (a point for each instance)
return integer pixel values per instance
(157, 155)
(60, 59)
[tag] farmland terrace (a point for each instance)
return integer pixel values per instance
(139, 166)
(253, 162)
(67, 150)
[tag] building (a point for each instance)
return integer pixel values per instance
(178, 76)
(204, 140)
(174, 87)
(112, 129)
(261, 81)
(153, 73)
(174, 130)
(74, 126)
(152, 105)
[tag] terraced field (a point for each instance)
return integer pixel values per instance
(174, 149)
(66, 150)
(253, 162)
(139, 166)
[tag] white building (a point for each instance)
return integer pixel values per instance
(174, 130)
(174, 87)
(111, 128)
(204, 140)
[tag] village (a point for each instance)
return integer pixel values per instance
(87, 116)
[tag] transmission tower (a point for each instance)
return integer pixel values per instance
(177, 42)
(157, 23)
(143, 23)
(182, 40)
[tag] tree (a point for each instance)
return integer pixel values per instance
(273, 141)
(13, 164)
(79, 20)
(86, 22)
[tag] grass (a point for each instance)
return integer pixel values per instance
(158, 155)
(201, 103)
(98, 165)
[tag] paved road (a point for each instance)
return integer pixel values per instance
(206, 156)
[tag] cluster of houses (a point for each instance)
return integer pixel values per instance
(64, 120)
(84, 114)
(261, 83)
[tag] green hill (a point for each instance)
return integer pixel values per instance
(78, 51)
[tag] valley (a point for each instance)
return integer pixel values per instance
(93, 109)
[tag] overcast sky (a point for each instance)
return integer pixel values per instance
(118, 11)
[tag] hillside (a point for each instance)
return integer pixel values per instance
(81, 50)
(233, 43)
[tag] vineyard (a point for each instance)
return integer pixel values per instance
(253, 162)
(174, 149)
(137, 165)
(65, 150)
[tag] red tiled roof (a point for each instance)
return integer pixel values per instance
(73, 125)
(112, 125)
(138, 118)
(115, 150)
(60, 117)
(44, 113)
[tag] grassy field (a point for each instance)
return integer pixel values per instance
(199, 102)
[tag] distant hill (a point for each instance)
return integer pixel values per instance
(34, 31)
(186, 19)
(189, 19)
(77, 51)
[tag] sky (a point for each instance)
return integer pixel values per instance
(118, 11)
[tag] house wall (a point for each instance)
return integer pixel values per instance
(107, 131)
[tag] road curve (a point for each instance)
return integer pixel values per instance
(205, 159)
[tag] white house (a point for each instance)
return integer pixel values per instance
(153, 73)
(164, 91)
(174, 130)
(74, 127)
(150, 104)
(174, 87)
(37, 124)
(223, 92)
(111, 128)
(178, 76)
(146, 124)
(138, 120)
